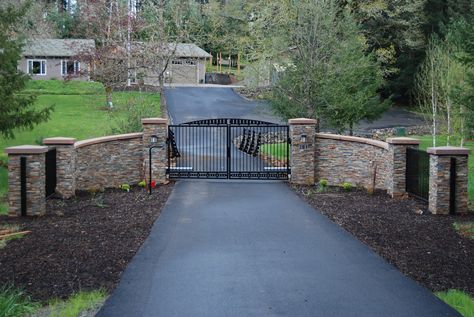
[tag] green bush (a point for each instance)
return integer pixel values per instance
(323, 183)
(347, 186)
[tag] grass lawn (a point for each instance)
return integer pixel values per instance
(79, 112)
(427, 141)
(276, 150)
(460, 301)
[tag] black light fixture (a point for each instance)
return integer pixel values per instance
(303, 138)
(153, 144)
(154, 139)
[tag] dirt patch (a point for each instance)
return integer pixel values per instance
(81, 244)
(424, 247)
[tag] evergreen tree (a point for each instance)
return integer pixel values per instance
(16, 107)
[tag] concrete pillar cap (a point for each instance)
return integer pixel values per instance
(403, 141)
(302, 121)
(26, 149)
(154, 121)
(448, 150)
(59, 141)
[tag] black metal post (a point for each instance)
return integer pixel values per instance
(452, 187)
(23, 185)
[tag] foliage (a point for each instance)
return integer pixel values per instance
(15, 303)
(459, 300)
(323, 183)
(440, 83)
(125, 187)
(142, 184)
(16, 109)
(346, 186)
(465, 229)
(128, 118)
(322, 69)
(77, 304)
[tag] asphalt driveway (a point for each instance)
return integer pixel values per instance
(247, 248)
(255, 249)
(190, 103)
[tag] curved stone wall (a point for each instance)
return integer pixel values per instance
(109, 161)
(352, 159)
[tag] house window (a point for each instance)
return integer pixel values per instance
(176, 62)
(37, 67)
(70, 67)
(188, 62)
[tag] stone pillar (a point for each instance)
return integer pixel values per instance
(303, 138)
(440, 171)
(65, 165)
(158, 127)
(397, 156)
(35, 179)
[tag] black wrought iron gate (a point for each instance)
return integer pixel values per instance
(228, 149)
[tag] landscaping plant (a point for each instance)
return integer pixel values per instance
(15, 303)
(346, 186)
(459, 300)
(77, 304)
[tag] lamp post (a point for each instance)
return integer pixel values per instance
(153, 142)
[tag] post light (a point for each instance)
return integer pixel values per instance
(303, 138)
(154, 139)
(153, 144)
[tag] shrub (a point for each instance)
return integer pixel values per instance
(347, 186)
(323, 183)
(142, 184)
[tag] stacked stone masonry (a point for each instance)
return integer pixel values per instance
(103, 163)
(302, 134)
(35, 180)
(440, 179)
(352, 160)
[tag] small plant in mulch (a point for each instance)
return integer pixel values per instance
(465, 229)
(346, 186)
(322, 185)
(125, 187)
(14, 302)
(142, 184)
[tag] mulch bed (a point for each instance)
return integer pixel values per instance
(81, 244)
(424, 247)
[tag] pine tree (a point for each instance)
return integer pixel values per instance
(16, 107)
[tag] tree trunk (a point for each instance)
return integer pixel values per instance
(108, 94)
(351, 129)
(318, 125)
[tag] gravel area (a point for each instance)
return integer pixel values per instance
(423, 246)
(81, 244)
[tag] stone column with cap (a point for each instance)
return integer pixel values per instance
(35, 180)
(303, 138)
(440, 179)
(397, 156)
(65, 165)
(158, 127)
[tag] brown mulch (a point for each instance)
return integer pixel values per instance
(424, 247)
(81, 244)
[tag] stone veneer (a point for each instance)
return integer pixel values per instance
(109, 161)
(302, 134)
(397, 158)
(35, 179)
(65, 165)
(440, 167)
(351, 159)
(158, 127)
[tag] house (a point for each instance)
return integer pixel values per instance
(54, 58)
(186, 63)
